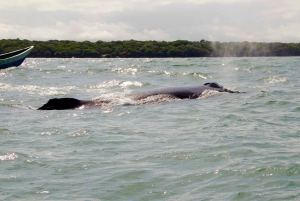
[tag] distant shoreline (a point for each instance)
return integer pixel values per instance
(149, 49)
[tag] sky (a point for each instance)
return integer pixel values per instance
(159, 20)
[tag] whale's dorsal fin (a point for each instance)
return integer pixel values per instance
(213, 84)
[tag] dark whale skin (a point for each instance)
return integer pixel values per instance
(191, 92)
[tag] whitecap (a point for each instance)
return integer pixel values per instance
(8, 156)
(208, 93)
(125, 70)
(275, 79)
(111, 83)
(23, 106)
(33, 89)
(129, 83)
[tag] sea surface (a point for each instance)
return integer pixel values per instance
(220, 146)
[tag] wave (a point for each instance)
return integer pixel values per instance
(275, 79)
(115, 83)
(36, 89)
(132, 71)
(21, 106)
(186, 73)
(8, 157)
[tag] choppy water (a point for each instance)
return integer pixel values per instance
(221, 147)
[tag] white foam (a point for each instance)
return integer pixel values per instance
(23, 106)
(208, 93)
(8, 156)
(108, 100)
(111, 83)
(114, 83)
(132, 71)
(129, 83)
(161, 98)
(275, 79)
(34, 89)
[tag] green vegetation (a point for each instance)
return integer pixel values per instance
(135, 49)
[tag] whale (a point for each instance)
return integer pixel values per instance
(190, 92)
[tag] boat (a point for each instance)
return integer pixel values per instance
(14, 58)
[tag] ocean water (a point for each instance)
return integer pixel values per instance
(218, 147)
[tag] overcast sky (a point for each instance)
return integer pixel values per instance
(168, 20)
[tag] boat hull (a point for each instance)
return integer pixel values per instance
(15, 58)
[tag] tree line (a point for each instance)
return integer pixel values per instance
(136, 49)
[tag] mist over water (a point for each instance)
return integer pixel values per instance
(219, 147)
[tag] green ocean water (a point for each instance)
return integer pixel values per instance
(219, 147)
